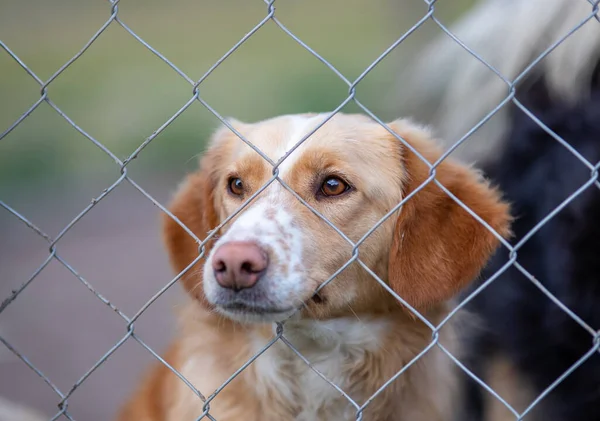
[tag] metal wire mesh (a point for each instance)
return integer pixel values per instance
(122, 176)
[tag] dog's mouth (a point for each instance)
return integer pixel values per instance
(250, 313)
(245, 307)
(318, 299)
(253, 309)
(239, 307)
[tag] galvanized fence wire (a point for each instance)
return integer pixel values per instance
(279, 334)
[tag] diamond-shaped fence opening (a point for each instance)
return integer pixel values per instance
(122, 177)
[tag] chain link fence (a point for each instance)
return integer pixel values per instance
(121, 167)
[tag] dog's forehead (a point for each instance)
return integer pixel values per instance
(278, 136)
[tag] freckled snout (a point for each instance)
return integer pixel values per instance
(239, 265)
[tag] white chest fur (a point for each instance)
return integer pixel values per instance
(331, 347)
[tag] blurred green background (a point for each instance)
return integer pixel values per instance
(119, 92)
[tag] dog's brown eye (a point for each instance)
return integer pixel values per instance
(236, 186)
(334, 186)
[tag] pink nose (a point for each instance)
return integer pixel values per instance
(239, 264)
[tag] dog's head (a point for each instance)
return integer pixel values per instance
(270, 258)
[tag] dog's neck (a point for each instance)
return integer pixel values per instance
(330, 347)
(358, 354)
(349, 335)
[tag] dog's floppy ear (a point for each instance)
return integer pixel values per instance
(438, 247)
(194, 206)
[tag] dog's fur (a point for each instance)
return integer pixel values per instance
(353, 332)
(526, 331)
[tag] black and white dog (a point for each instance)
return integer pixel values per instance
(524, 328)
(527, 342)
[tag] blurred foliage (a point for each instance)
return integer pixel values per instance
(120, 93)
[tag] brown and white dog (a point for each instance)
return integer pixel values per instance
(269, 259)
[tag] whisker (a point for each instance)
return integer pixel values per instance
(354, 313)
